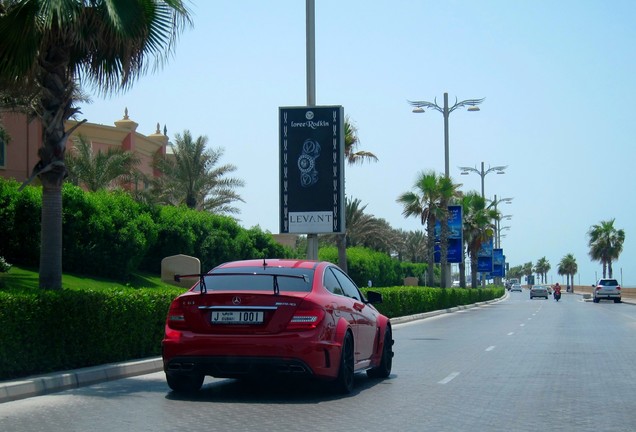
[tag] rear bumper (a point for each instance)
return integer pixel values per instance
(231, 357)
(602, 295)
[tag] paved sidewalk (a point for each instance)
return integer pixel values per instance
(59, 381)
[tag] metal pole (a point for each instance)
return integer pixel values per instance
(446, 151)
(311, 52)
(483, 175)
(312, 239)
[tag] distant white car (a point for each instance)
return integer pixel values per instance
(516, 287)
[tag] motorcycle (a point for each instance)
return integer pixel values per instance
(557, 295)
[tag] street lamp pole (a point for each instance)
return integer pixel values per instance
(483, 173)
(418, 107)
(446, 110)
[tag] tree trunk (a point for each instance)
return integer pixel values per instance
(430, 252)
(51, 231)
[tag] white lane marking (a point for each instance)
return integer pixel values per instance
(529, 319)
(521, 325)
(511, 333)
(449, 378)
(490, 348)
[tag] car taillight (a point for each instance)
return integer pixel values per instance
(618, 287)
(176, 318)
(306, 319)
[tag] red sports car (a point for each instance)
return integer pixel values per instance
(273, 316)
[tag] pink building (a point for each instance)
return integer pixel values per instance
(19, 155)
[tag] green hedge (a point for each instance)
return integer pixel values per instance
(44, 331)
(403, 301)
(109, 234)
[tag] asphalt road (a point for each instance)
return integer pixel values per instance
(514, 365)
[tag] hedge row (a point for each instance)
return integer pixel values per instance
(46, 331)
(109, 234)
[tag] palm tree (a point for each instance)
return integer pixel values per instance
(542, 267)
(49, 48)
(568, 267)
(478, 228)
(527, 270)
(191, 176)
(448, 190)
(415, 246)
(102, 170)
(423, 202)
(606, 244)
(353, 157)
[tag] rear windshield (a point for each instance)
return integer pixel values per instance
(608, 282)
(257, 279)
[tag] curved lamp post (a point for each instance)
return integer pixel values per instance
(483, 172)
(446, 110)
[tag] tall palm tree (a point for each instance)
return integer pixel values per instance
(568, 267)
(353, 156)
(542, 267)
(478, 227)
(423, 202)
(100, 170)
(192, 176)
(49, 48)
(606, 244)
(527, 270)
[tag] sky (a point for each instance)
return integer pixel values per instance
(558, 78)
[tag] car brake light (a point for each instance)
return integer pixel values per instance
(176, 318)
(306, 319)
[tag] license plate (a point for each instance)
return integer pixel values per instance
(237, 317)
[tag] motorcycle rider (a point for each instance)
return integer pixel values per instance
(557, 291)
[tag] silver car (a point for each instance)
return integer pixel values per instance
(516, 287)
(607, 289)
(539, 291)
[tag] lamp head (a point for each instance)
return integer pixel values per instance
(418, 110)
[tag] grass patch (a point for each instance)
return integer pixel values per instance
(20, 278)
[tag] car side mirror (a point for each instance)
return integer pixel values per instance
(374, 297)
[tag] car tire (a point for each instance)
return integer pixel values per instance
(384, 368)
(346, 372)
(617, 300)
(596, 300)
(185, 383)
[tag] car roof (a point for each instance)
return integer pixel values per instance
(272, 262)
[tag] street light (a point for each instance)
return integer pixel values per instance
(496, 202)
(446, 110)
(483, 172)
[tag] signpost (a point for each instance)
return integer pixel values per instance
(312, 170)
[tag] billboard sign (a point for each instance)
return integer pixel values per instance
(311, 170)
(498, 267)
(484, 257)
(455, 236)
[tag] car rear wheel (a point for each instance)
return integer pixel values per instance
(617, 300)
(384, 369)
(344, 382)
(185, 383)
(596, 300)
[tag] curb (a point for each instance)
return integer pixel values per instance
(59, 381)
